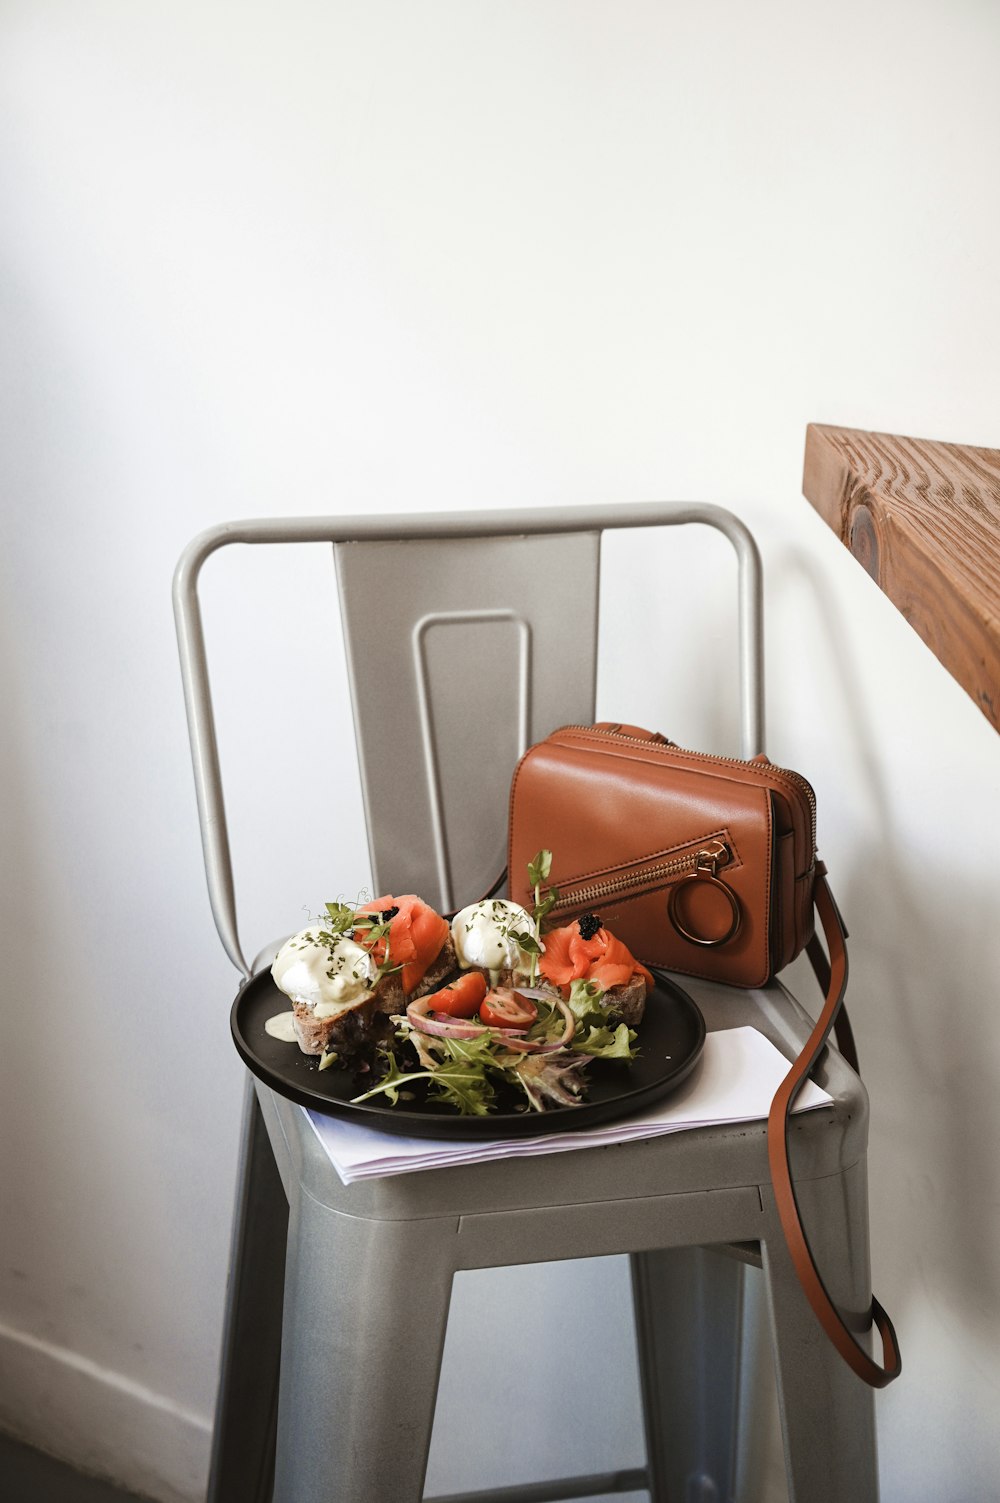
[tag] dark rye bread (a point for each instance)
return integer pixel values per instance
(354, 1030)
(506, 978)
(626, 1004)
(346, 1034)
(389, 993)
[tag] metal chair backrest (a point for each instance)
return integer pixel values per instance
(468, 638)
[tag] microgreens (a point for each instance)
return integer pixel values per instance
(367, 929)
(530, 946)
(539, 868)
(340, 918)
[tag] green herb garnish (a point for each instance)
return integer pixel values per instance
(538, 872)
(529, 945)
(340, 918)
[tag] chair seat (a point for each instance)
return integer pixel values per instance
(726, 1157)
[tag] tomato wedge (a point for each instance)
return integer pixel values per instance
(462, 998)
(504, 1008)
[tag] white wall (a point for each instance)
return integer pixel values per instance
(381, 256)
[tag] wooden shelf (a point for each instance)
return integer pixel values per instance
(924, 519)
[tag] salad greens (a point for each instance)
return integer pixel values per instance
(594, 1034)
(465, 1072)
(461, 1082)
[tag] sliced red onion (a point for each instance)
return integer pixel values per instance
(501, 1032)
(525, 1046)
(449, 1030)
(454, 1028)
(445, 1026)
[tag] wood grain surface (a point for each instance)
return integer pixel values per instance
(924, 519)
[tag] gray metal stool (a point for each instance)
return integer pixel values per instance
(359, 1357)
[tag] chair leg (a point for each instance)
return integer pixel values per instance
(366, 1307)
(688, 1305)
(827, 1413)
(242, 1461)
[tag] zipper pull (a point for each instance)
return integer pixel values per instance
(707, 863)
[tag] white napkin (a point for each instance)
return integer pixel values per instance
(734, 1081)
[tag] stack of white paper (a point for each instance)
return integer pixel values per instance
(734, 1081)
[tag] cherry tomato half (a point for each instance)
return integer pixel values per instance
(462, 998)
(504, 1008)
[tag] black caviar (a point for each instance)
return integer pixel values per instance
(589, 924)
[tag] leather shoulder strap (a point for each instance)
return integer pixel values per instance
(832, 977)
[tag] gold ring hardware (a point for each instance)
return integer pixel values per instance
(708, 862)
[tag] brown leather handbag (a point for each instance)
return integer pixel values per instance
(700, 864)
(704, 865)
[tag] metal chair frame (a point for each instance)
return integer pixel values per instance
(662, 1202)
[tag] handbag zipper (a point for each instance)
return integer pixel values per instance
(795, 778)
(711, 857)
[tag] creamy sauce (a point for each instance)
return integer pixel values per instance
(483, 936)
(281, 1026)
(329, 978)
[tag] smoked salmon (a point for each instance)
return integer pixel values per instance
(416, 936)
(600, 957)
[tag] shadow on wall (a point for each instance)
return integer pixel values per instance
(923, 922)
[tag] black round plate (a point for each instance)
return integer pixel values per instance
(671, 1038)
